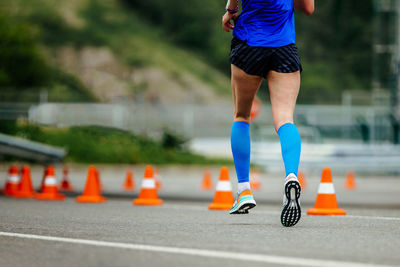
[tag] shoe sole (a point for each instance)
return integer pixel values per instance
(244, 207)
(291, 212)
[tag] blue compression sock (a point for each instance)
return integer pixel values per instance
(291, 147)
(240, 145)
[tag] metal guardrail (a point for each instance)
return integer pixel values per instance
(215, 120)
(15, 146)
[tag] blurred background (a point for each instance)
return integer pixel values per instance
(131, 82)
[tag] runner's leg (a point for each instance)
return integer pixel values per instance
(244, 88)
(284, 88)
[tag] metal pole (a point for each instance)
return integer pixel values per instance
(396, 88)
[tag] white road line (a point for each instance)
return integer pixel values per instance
(195, 252)
(201, 208)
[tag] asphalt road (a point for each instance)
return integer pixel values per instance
(184, 232)
(364, 236)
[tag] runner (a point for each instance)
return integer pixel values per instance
(263, 46)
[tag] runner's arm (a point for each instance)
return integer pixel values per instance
(305, 6)
(232, 7)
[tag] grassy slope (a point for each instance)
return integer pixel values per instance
(24, 71)
(108, 23)
(139, 44)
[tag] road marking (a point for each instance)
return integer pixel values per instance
(195, 252)
(201, 208)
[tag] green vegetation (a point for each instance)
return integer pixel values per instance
(18, 50)
(24, 71)
(110, 24)
(195, 26)
(94, 144)
(336, 49)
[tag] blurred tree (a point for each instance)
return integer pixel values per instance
(21, 65)
(24, 71)
(338, 39)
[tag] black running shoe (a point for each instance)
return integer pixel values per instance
(291, 212)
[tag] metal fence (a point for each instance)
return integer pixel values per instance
(316, 123)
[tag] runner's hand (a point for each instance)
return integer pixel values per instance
(226, 21)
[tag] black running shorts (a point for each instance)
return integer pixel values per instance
(260, 60)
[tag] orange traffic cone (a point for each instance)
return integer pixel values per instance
(91, 193)
(12, 182)
(49, 189)
(148, 193)
(25, 187)
(302, 180)
(350, 183)
(255, 180)
(157, 178)
(326, 203)
(65, 184)
(129, 184)
(206, 184)
(223, 199)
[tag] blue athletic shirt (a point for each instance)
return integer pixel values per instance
(268, 23)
